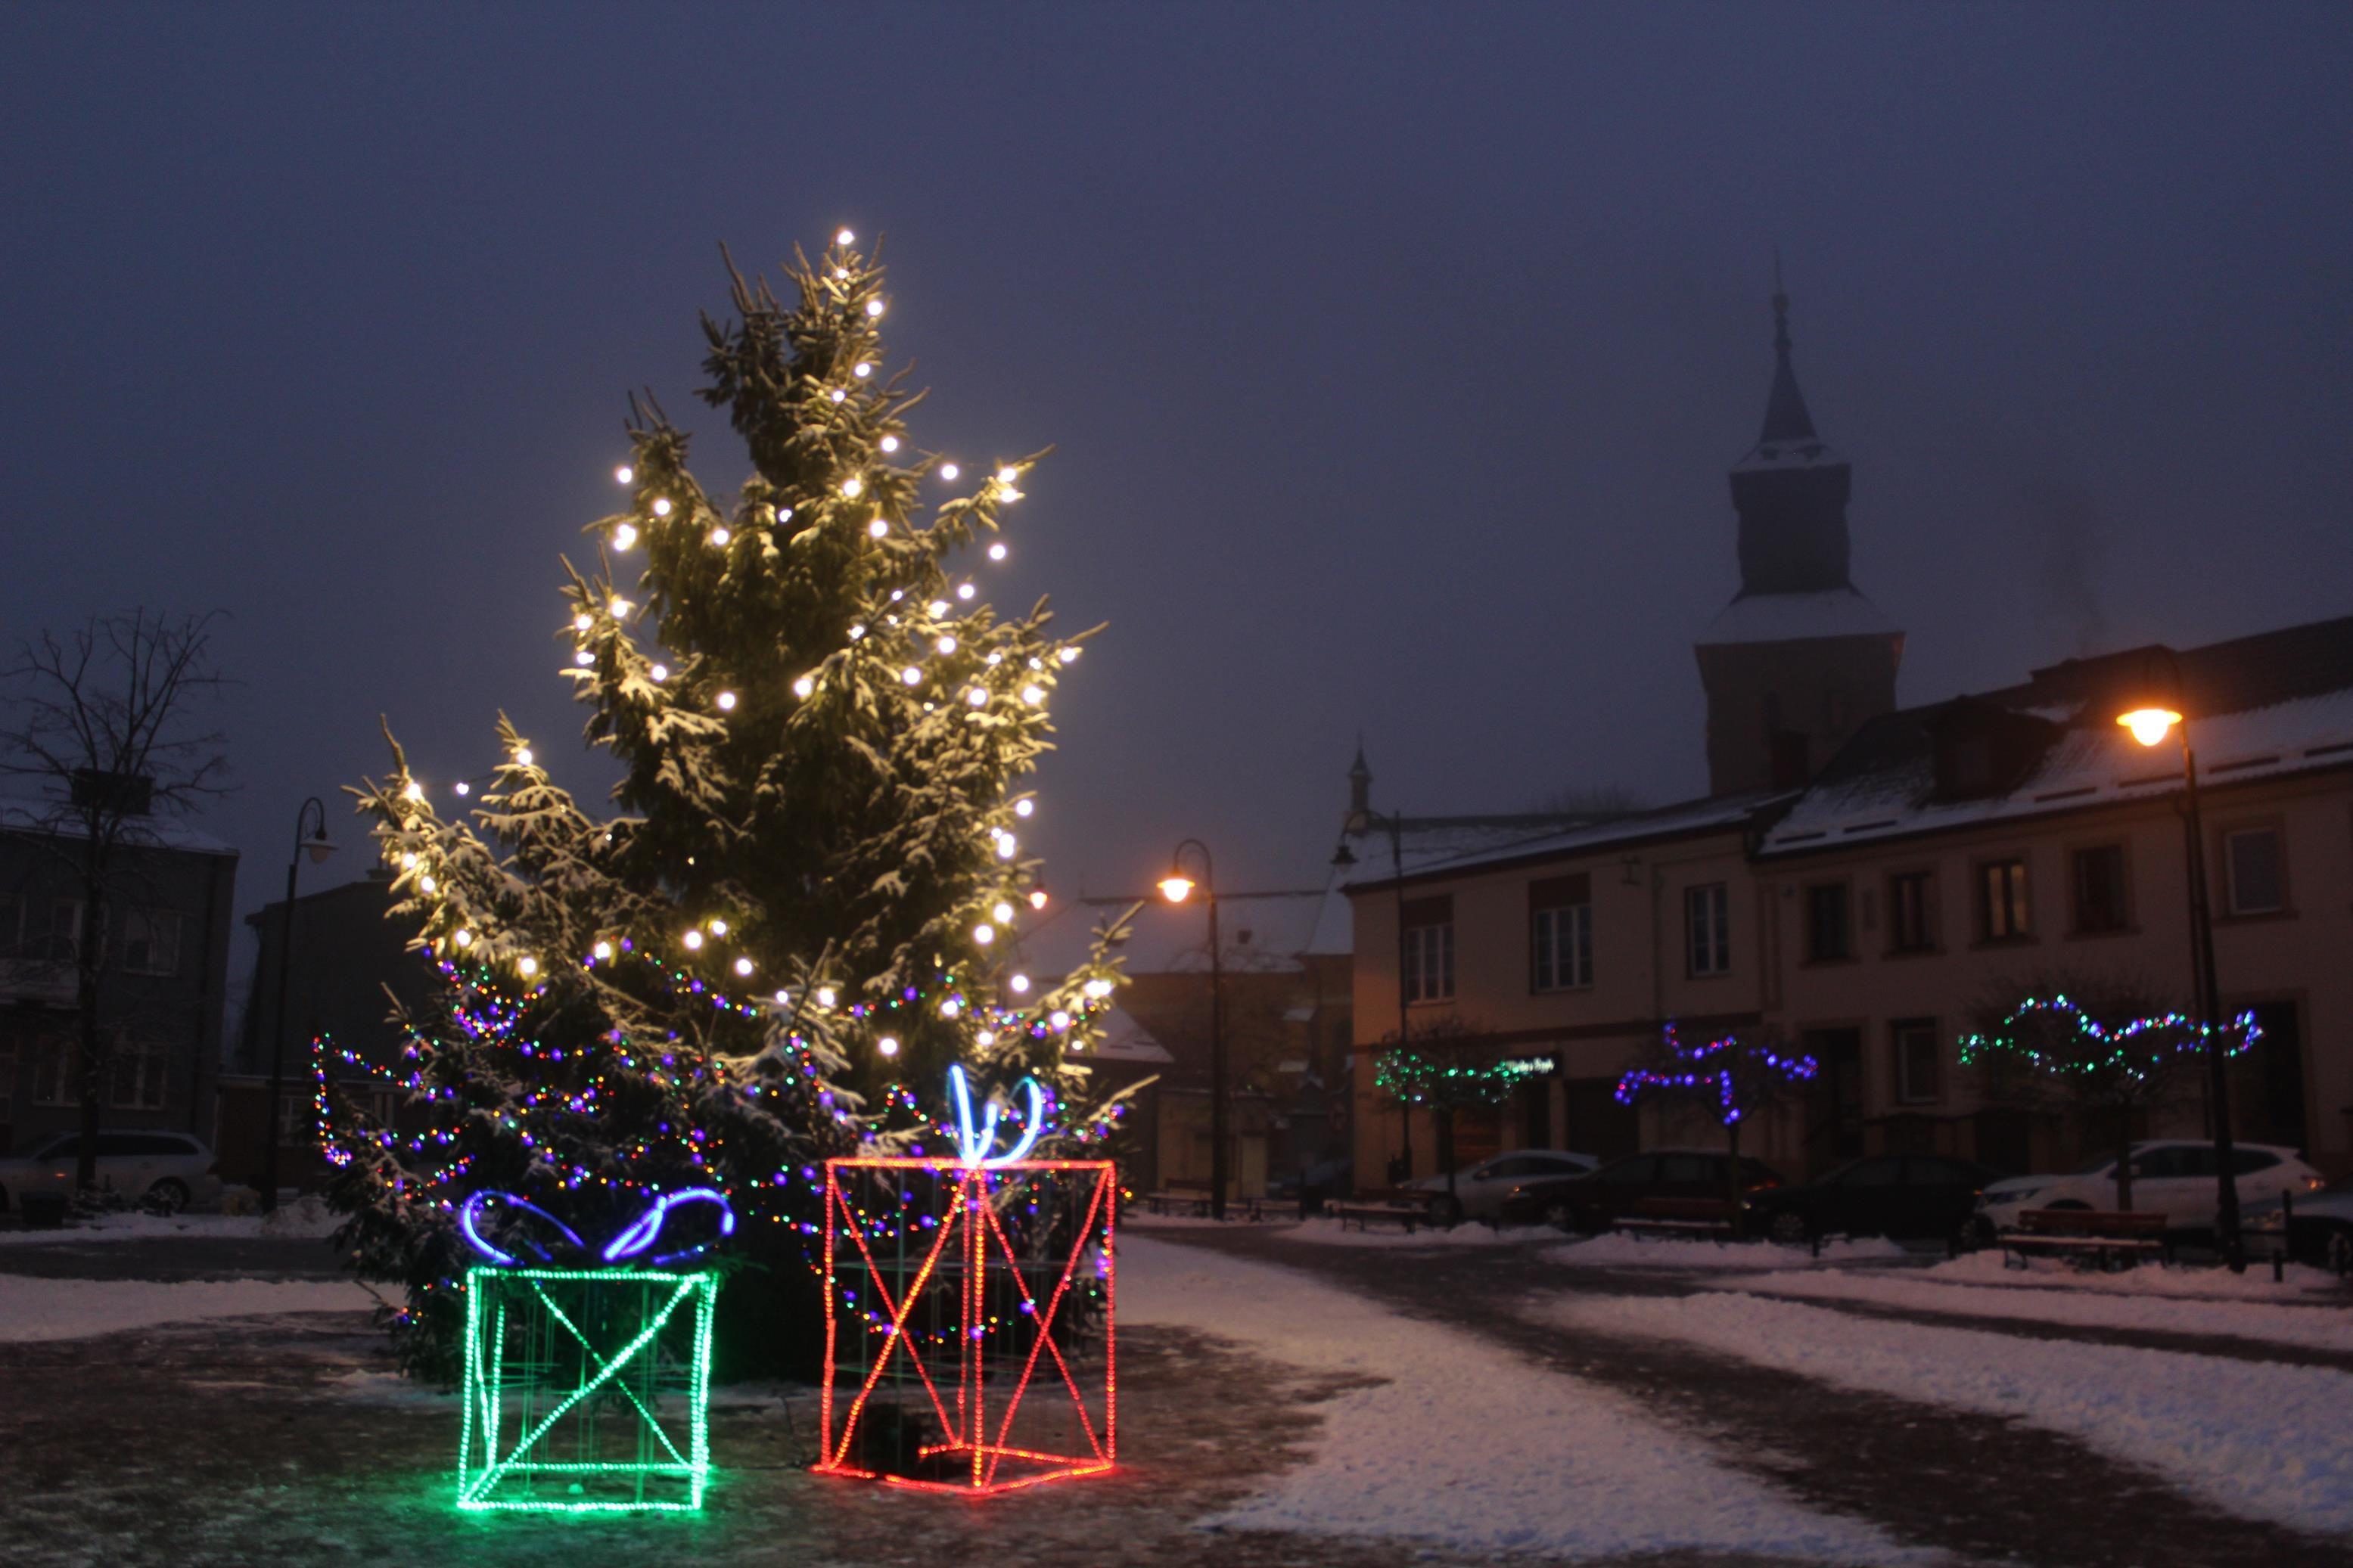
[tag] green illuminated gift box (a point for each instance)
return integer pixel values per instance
(587, 1389)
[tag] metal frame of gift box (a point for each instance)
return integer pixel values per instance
(983, 1250)
(634, 1372)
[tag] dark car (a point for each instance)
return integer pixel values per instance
(1592, 1202)
(1879, 1195)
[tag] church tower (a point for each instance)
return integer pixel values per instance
(1799, 660)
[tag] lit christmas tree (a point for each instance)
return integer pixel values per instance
(790, 930)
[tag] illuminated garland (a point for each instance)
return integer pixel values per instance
(1414, 1077)
(2105, 1049)
(1709, 1065)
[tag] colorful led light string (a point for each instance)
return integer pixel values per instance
(2176, 1033)
(1639, 1080)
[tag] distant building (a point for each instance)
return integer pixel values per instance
(1873, 882)
(350, 963)
(163, 987)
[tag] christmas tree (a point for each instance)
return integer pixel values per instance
(789, 929)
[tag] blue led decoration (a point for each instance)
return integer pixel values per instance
(973, 1143)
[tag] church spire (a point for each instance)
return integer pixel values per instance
(1786, 418)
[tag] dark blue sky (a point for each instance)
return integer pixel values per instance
(1395, 355)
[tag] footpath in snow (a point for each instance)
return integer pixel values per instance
(1464, 1444)
(2260, 1439)
(300, 1221)
(72, 1308)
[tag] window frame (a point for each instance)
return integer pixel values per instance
(2080, 856)
(150, 1072)
(56, 1054)
(1813, 893)
(1717, 949)
(1926, 878)
(1558, 933)
(2018, 900)
(1900, 1033)
(153, 919)
(1426, 943)
(2274, 829)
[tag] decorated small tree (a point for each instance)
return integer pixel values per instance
(789, 927)
(2091, 1048)
(1732, 1078)
(1445, 1067)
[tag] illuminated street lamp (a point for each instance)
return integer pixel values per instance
(1177, 887)
(2149, 726)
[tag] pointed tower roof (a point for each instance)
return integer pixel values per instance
(1786, 416)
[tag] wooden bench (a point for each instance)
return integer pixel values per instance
(1383, 1205)
(2105, 1234)
(1717, 1217)
(1173, 1201)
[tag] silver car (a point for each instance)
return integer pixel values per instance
(1480, 1189)
(169, 1170)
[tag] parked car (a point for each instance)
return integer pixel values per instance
(1592, 1202)
(167, 1170)
(2321, 1232)
(2172, 1176)
(1879, 1195)
(1480, 1189)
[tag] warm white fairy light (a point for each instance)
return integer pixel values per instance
(743, 966)
(890, 443)
(603, 950)
(658, 674)
(1069, 656)
(978, 697)
(878, 528)
(995, 659)
(874, 307)
(726, 700)
(1098, 989)
(1033, 695)
(1036, 664)
(984, 934)
(857, 632)
(784, 514)
(1024, 807)
(428, 884)
(624, 473)
(414, 791)
(718, 927)
(463, 937)
(951, 1007)
(619, 605)
(985, 1037)
(887, 1046)
(861, 370)
(825, 996)
(851, 485)
(720, 536)
(624, 535)
(966, 591)
(1003, 911)
(784, 998)
(523, 756)
(661, 506)
(938, 608)
(1058, 1019)
(526, 965)
(841, 274)
(583, 621)
(945, 644)
(804, 686)
(845, 238)
(1005, 846)
(407, 859)
(1020, 984)
(949, 471)
(996, 551)
(584, 658)
(693, 940)
(462, 787)
(838, 395)
(1006, 475)
(911, 676)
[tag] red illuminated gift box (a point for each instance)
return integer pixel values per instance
(968, 1329)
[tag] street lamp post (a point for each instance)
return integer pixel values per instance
(318, 847)
(1176, 886)
(2149, 726)
(1343, 857)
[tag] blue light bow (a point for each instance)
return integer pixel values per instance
(973, 1146)
(636, 1238)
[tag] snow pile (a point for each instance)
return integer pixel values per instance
(72, 1308)
(1619, 1250)
(1463, 1444)
(2286, 1325)
(1987, 1267)
(2257, 1439)
(305, 1221)
(1325, 1231)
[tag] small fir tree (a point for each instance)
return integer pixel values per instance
(1742, 1075)
(790, 928)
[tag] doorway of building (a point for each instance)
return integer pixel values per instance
(2268, 1086)
(1596, 1123)
(1834, 1100)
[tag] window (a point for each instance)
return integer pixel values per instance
(2251, 860)
(1910, 902)
(2100, 888)
(1560, 933)
(2003, 913)
(62, 940)
(1707, 927)
(138, 1073)
(53, 1074)
(1429, 962)
(150, 942)
(298, 1122)
(1917, 1059)
(1827, 926)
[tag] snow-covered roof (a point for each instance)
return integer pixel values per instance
(1270, 930)
(2089, 763)
(1710, 814)
(1795, 617)
(55, 817)
(1125, 1040)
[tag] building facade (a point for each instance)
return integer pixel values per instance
(163, 979)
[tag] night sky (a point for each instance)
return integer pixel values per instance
(1395, 355)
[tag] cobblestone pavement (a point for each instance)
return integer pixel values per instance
(1977, 1485)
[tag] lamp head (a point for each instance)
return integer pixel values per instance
(319, 847)
(2149, 726)
(1343, 856)
(1176, 886)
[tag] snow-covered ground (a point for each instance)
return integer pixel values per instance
(1461, 1443)
(2089, 1305)
(1323, 1232)
(1617, 1249)
(72, 1308)
(1987, 1267)
(295, 1223)
(2260, 1439)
